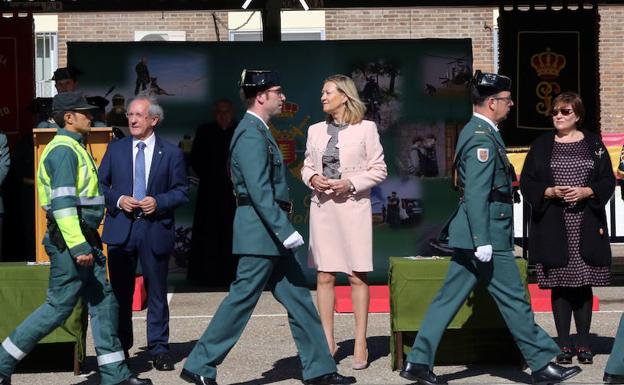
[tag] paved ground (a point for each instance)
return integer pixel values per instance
(266, 353)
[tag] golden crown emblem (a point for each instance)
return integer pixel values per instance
(547, 64)
(288, 110)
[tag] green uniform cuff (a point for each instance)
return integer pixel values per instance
(82, 248)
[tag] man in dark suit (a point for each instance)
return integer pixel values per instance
(143, 178)
(264, 239)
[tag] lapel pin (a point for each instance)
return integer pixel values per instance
(599, 152)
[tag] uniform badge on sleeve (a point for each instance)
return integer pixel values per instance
(483, 154)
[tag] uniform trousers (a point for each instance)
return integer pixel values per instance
(68, 282)
(615, 364)
(503, 282)
(284, 277)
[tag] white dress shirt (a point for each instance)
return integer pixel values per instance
(150, 144)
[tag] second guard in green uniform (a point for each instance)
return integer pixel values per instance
(481, 235)
(265, 240)
(69, 192)
(614, 371)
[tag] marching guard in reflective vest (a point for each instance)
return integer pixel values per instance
(68, 190)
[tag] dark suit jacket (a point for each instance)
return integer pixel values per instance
(547, 236)
(166, 183)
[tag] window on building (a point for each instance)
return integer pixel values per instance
(46, 48)
(287, 35)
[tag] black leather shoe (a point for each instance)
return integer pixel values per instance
(196, 378)
(135, 380)
(163, 362)
(330, 379)
(584, 355)
(6, 380)
(554, 374)
(421, 374)
(566, 355)
(607, 379)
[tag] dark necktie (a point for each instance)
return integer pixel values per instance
(138, 191)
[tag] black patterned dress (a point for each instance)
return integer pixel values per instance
(572, 165)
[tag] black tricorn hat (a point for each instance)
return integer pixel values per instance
(71, 101)
(97, 101)
(253, 81)
(40, 105)
(486, 84)
(69, 72)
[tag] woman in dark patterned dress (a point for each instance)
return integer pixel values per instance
(567, 179)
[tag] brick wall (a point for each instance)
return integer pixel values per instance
(199, 26)
(398, 23)
(611, 51)
(417, 23)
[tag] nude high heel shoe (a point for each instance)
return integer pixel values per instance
(359, 365)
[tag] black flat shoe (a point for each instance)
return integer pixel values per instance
(330, 379)
(196, 378)
(163, 362)
(566, 355)
(135, 380)
(554, 374)
(421, 374)
(584, 355)
(607, 379)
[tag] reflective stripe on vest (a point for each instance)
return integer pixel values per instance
(86, 190)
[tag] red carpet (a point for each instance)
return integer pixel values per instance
(140, 295)
(540, 299)
(380, 299)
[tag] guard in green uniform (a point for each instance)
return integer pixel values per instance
(614, 371)
(481, 234)
(264, 239)
(68, 190)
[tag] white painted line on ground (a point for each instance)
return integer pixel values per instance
(338, 314)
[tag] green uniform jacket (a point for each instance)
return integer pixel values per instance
(258, 172)
(5, 162)
(482, 166)
(61, 165)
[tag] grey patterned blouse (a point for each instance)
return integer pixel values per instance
(331, 159)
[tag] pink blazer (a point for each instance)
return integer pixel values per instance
(361, 154)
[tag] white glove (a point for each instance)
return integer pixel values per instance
(295, 240)
(484, 253)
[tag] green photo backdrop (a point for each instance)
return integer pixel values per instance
(415, 90)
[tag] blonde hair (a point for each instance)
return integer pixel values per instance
(354, 107)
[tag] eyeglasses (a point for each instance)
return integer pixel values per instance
(505, 98)
(278, 92)
(564, 111)
(137, 115)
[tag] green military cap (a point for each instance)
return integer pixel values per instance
(71, 101)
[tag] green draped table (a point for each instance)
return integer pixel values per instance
(477, 334)
(23, 289)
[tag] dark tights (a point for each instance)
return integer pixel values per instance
(565, 302)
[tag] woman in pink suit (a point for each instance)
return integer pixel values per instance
(343, 161)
